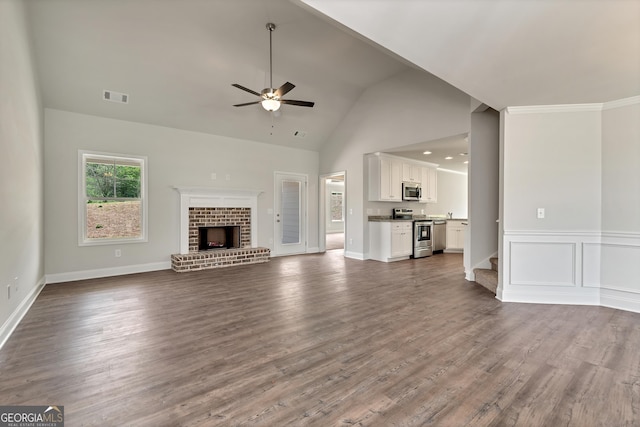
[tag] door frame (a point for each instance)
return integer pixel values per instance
(304, 215)
(322, 207)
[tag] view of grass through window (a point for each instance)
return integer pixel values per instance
(113, 199)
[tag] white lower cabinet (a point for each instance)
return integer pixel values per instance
(390, 240)
(455, 235)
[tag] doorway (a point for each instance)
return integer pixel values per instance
(332, 211)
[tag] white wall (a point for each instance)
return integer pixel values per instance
(406, 109)
(452, 196)
(21, 173)
(581, 164)
(175, 158)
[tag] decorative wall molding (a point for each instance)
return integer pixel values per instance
(560, 108)
(573, 108)
(571, 267)
(625, 102)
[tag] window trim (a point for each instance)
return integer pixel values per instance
(82, 199)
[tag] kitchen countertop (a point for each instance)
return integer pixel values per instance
(388, 218)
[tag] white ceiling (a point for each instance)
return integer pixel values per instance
(177, 59)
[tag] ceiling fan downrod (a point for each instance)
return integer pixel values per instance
(271, 27)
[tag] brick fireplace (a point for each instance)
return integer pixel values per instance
(230, 212)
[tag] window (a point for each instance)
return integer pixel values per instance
(112, 202)
(337, 209)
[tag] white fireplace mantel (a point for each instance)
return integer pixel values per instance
(204, 197)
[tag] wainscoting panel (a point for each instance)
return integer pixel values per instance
(543, 263)
(620, 267)
(548, 267)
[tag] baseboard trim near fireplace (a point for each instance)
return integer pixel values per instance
(73, 276)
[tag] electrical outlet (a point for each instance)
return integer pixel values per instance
(228, 177)
(213, 175)
(118, 253)
(351, 241)
(540, 213)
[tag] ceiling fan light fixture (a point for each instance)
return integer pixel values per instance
(270, 100)
(270, 104)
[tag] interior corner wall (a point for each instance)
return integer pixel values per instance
(484, 166)
(175, 158)
(619, 248)
(417, 107)
(21, 174)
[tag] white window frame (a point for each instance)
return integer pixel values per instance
(82, 198)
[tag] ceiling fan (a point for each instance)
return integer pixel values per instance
(270, 98)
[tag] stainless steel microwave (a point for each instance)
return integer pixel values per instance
(411, 191)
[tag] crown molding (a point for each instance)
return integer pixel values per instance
(621, 103)
(574, 108)
(560, 108)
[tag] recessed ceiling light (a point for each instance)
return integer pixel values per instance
(466, 162)
(427, 152)
(464, 154)
(448, 158)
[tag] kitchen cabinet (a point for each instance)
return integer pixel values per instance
(429, 182)
(411, 172)
(455, 235)
(390, 240)
(386, 173)
(385, 178)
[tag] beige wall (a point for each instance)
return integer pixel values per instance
(21, 147)
(175, 158)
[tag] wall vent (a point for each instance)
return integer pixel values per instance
(110, 95)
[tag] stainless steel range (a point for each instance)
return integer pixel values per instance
(422, 238)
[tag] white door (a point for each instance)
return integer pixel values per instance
(290, 214)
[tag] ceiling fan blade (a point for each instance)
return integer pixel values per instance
(298, 103)
(247, 103)
(245, 89)
(285, 88)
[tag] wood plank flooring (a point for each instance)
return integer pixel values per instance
(320, 340)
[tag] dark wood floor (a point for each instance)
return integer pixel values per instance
(320, 340)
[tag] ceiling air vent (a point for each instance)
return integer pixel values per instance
(109, 95)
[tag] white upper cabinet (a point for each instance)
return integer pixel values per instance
(429, 182)
(411, 172)
(386, 174)
(385, 179)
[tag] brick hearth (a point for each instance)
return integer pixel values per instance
(214, 217)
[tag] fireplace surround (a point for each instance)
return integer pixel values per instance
(207, 208)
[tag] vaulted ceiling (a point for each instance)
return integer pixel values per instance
(177, 59)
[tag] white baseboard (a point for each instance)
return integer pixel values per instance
(354, 255)
(14, 320)
(627, 301)
(106, 272)
(313, 250)
(570, 296)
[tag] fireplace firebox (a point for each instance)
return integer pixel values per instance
(219, 237)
